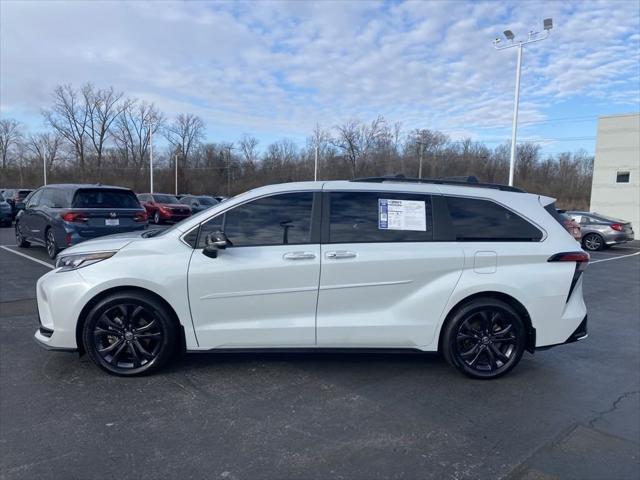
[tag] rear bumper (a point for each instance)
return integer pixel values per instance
(580, 333)
(619, 238)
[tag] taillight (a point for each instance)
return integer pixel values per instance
(140, 217)
(76, 217)
(618, 227)
(580, 258)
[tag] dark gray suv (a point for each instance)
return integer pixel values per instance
(58, 216)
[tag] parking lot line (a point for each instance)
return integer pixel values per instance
(615, 258)
(27, 256)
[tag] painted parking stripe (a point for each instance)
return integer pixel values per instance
(615, 258)
(41, 262)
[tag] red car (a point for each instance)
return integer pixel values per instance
(162, 207)
(571, 225)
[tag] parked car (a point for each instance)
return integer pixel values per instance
(6, 215)
(480, 273)
(198, 203)
(162, 207)
(571, 225)
(15, 197)
(600, 231)
(58, 216)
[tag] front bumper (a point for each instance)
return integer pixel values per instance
(59, 297)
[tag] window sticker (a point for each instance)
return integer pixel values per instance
(402, 215)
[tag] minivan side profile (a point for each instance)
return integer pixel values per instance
(59, 216)
(479, 273)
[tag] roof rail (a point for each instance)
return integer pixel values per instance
(469, 181)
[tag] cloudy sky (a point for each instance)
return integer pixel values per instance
(274, 69)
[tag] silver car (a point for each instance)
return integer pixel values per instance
(600, 231)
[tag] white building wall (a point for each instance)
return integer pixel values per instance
(617, 150)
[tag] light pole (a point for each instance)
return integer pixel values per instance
(315, 166)
(150, 159)
(175, 160)
(421, 155)
(532, 38)
(44, 169)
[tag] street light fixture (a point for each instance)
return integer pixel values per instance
(532, 38)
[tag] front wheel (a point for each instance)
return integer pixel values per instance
(129, 333)
(156, 218)
(484, 339)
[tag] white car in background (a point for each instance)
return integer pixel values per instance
(478, 272)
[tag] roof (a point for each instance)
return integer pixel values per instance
(83, 185)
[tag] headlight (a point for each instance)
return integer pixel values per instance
(73, 262)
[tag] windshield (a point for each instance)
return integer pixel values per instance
(165, 199)
(105, 198)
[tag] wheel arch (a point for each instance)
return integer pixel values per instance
(506, 298)
(182, 346)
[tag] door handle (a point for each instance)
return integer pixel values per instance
(341, 254)
(299, 256)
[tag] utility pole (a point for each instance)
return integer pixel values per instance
(315, 166)
(532, 38)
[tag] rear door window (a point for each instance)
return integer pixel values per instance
(105, 198)
(371, 217)
(483, 220)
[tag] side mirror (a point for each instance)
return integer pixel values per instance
(196, 204)
(215, 241)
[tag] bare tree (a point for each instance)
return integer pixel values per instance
(104, 106)
(357, 139)
(46, 148)
(70, 117)
(131, 132)
(185, 134)
(10, 135)
(248, 145)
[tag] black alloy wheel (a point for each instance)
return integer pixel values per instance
(20, 240)
(50, 244)
(129, 334)
(593, 242)
(485, 339)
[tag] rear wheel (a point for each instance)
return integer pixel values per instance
(593, 242)
(50, 244)
(129, 333)
(20, 241)
(484, 339)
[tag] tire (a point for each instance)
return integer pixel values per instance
(129, 334)
(156, 218)
(50, 243)
(593, 242)
(485, 338)
(20, 241)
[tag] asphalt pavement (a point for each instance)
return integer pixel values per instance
(569, 412)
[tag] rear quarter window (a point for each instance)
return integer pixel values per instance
(104, 198)
(483, 221)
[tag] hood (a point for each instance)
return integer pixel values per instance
(107, 243)
(173, 205)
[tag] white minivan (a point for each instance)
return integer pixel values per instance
(478, 272)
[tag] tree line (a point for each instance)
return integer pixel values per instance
(99, 135)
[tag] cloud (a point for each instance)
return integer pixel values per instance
(277, 68)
